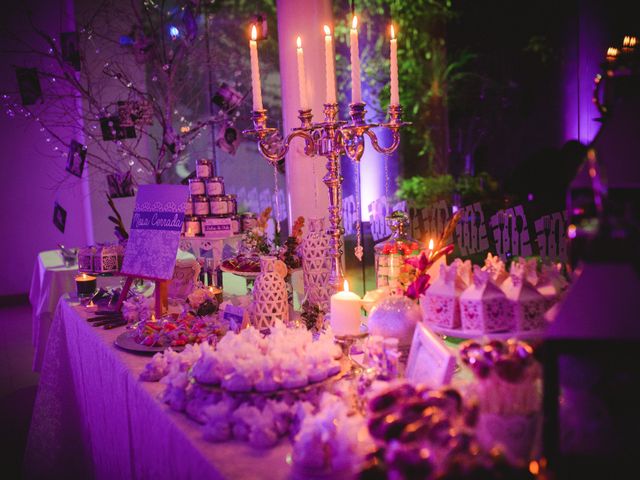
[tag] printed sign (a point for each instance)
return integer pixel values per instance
(508, 232)
(551, 235)
(511, 233)
(429, 222)
(217, 227)
(471, 231)
(155, 231)
(430, 361)
(378, 211)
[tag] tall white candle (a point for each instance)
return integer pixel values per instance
(302, 79)
(395, 96)
(356, 93)
(345, 312)
(329, 66)
(255, 70)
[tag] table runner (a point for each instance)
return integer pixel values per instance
(93, 418)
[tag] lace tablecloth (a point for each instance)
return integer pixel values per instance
(93, 418)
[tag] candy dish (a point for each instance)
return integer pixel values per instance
(281, 390)
(126, 341)
(244, 266)
(462, 333)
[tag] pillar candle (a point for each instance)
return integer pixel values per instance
(395, 96)
(345, 312)
(356, 93)
(255, 70)
(330, 68)
(302, 79)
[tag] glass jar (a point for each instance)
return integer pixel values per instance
(232, 203)
(215, 186)
(192, 227)
(219, 205)
(204, 168)
(391, 270)
(188, 210)
(235, 224)
(248, 220)
(196, 186)
(201, 205)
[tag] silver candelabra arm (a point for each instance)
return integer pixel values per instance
(271, 145)
(394, 124)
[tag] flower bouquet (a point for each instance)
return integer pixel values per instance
(428, 258)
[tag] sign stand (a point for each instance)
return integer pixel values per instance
(161, 294)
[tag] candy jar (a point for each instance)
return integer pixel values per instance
(391, 270)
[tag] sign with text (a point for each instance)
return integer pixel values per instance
(430, 361)
(378, 211)
(155, 231)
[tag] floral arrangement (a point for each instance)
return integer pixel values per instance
(255, 240)
(508, 376)
(288, 252)
(312, 316)
(427, 258)
(202, 302)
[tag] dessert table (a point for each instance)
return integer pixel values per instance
(93, 418)
(51, 279)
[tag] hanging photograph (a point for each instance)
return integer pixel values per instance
(70, 53)
(76, 158)
(113, 130)
(59, 217)
(29, 85)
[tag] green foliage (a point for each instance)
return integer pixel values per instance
(422, 191)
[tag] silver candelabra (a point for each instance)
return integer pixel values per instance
(331, 139)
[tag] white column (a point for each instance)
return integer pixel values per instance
(307, 194)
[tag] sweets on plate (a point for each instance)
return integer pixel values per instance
(286, 358)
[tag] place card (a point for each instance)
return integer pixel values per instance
(430, 361)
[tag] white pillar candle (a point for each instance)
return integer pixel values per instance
(395, 95)
(345, 312)
(302, 79)
(356, 93)
(255, 70)
(330, 68)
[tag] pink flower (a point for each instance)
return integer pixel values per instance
(418, 286)
(420, 263)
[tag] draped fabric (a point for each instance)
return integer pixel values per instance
(93, 418)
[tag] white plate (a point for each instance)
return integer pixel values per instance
(126, 341)
(460, 333)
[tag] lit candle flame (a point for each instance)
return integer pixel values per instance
(612, 52)
(431, 245)
(254, 33)
(354, 23)
(346, 285)
(393, 32)
(327, 30)
(299, 42)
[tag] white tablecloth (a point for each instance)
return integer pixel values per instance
(50, 280)
(93, 418)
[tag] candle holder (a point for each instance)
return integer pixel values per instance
(331, 139)
(86, 285)
(346, 342)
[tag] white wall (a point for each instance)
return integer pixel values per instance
(32, 175)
